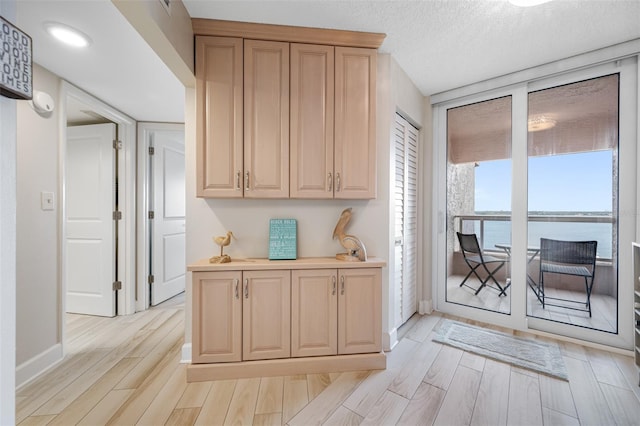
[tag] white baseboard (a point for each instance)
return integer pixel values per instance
(186, 354)
(29, 370)
(389, 340)
(426, 307)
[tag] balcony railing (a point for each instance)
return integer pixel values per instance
(495, 229)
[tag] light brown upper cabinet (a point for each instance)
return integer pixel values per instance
(219, 115)
(242, 110)
(312, 102)
(266, 119)
(333, 99)
(355, 123)
(285, 112)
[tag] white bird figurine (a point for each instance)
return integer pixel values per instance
(355, 247)
(223, 241)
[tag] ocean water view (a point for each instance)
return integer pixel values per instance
(499, 232)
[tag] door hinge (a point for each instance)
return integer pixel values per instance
(117, 285)
(117, 215)
(117, 145)
(151, 279)
(152, 150)
(152, 214)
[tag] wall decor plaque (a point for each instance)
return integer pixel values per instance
(16, 63)
(283, 239)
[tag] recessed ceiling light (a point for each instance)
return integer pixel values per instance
(540, 122)
(527, 3)
(67, 34)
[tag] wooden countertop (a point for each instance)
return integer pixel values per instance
(254, 264)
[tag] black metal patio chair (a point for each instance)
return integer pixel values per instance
(577, 258)
(474, 258)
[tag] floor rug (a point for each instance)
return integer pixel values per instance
(538, 356)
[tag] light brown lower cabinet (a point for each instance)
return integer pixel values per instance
(311, 317)
(241, 315)
(266, 313)
(217, 317)
(335, 311)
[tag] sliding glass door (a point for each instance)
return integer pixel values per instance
(479, 205)
(573, 200)
(543, 176)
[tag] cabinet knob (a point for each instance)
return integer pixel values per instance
(338, 182)
(330, 182)
(246, 288)
(333, 291)
(246, 181)
(342, 284)
(237, 292)
(238, 180)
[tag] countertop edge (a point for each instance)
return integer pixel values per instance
(249, 264)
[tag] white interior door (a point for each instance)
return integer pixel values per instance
(90, 229)
(168, 236)
(406, 219)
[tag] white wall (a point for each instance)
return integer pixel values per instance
(397, 94)
(406, 98)
(38, 328)
(7, 245)
(249, 219)
(169, 34)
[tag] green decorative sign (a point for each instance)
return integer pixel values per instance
(283, 239)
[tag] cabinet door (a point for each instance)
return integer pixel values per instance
(266, 315)
(219, 117)
(359, 311)
(355, 121)
(312, 93)
(266, 119)
(216, 317)
(314, 312)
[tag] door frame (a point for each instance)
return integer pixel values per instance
(144, 183)
(629, 130)
(127, 195)
(517, 318)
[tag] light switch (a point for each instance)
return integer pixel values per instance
(46, 200)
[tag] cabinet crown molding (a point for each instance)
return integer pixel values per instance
(220, 28)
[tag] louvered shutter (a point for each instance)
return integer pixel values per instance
(406, 219)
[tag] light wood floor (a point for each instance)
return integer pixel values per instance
(126, 370)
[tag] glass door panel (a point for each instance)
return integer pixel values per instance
(572, 200)
(479, 205)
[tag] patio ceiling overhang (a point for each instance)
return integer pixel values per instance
(585, 116)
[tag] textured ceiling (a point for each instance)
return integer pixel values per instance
(445, 44)
(441, 44)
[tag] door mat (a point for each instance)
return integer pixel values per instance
(538, 356)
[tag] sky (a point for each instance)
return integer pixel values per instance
(568, 182)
